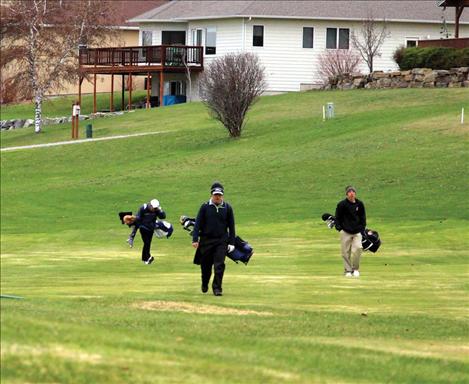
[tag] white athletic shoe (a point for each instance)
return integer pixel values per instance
(348, 274)
(356, 274)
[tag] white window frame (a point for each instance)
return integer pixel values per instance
(412, 38)
(194, 33)
(141, 36)
(214, 46)
(337, 38)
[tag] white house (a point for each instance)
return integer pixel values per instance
(288, 36)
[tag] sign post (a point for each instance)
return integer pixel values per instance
(75, 119)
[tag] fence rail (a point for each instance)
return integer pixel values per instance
(165, 55)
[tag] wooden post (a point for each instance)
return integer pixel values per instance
(458, 10)
(130, 91)
(148, 90)
(111, 108)
(79, 89)
(94, 94)
(161, 88)
(123, 93)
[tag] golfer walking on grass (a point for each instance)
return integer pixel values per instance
(145, 220)
(214, 232)
(351, 219)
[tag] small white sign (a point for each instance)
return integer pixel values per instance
(76, 110)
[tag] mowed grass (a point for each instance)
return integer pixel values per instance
(93, 313)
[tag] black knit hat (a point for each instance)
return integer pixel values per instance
(216, 189)
(350, 188)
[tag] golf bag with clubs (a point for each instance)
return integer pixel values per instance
(370, 238)
(162, 228)
(242, 249)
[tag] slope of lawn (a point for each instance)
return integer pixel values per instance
(93, 313)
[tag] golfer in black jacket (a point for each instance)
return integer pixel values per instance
(145, 221)
(351, 219)
(214, 232)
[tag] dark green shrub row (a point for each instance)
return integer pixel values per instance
(431, 57)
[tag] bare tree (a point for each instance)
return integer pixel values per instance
(369, 39)
(40, 40)
(335, 62)
(187, 67)
(230, 86)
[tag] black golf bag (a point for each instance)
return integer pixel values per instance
(370, 238)
(242, 252)
(162, 228)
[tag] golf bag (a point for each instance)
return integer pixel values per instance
(187, 223)
(370, 238)
(162, 228)
(242, 252)
(331, 221)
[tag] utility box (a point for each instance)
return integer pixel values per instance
(329, 110)
(89, 131)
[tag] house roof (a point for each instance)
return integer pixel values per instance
(394, 10)
(125, 10)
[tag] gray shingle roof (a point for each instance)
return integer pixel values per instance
(415, 10)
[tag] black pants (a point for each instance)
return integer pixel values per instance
(147, 237)
(213, 256)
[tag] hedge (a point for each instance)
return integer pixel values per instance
(431, 57)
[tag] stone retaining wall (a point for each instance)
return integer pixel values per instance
(415, 78)
(25, 123)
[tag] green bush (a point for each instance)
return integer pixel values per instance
(432, 57)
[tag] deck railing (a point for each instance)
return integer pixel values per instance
(165, 55)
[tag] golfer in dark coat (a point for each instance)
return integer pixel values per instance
(351, 219)
(214, 232)
(145, 221)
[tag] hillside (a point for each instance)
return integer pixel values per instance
(93, 313)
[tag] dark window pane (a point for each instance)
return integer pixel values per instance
(173, 37)
(331, 38)
(308, 37)
(411, 43)
(344, 38)
(258, 36)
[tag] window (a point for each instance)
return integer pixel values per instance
(177, 88)
(211, 41)
(411, 42)
(173, 37)
(258, 36)
(340, 40)
(344, 35)
(308, 37)
(331, 38)
(147, 38)
(196, 37)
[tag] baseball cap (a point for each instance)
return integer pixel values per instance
(217, 191)
(155, 203)
(350, 188)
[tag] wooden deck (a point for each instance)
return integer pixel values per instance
(142, 59)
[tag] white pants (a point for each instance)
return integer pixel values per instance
(351, 250)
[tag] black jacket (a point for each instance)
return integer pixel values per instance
(215, 222)
(351, 217)
(146, 218)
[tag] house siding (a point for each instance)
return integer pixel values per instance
(289, 66)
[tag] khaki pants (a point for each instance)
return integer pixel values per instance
(351, 250)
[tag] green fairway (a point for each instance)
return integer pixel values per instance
(92, 312)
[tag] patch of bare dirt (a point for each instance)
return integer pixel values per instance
(179, 306)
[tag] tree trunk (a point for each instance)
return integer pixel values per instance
(38, 113)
